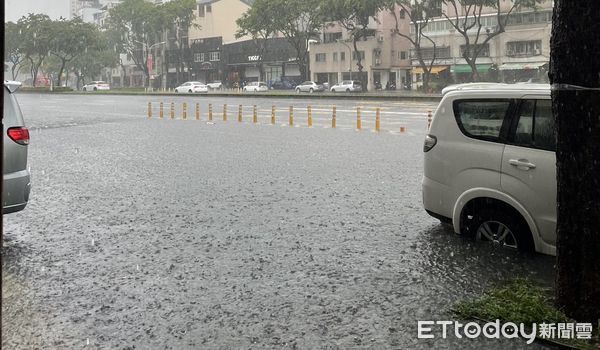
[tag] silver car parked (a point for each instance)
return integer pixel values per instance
(309, 86)
(16, 182)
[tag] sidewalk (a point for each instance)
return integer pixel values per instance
(370, 95)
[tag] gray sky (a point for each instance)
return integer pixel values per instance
(53, 8)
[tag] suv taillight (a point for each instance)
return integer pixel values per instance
(19, 134)
(430, 141)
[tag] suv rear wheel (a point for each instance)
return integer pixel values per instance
(500, 228)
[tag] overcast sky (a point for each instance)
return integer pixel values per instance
(53, 8)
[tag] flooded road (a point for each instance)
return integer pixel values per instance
(169, 234)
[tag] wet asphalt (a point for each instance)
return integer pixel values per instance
(144, 233)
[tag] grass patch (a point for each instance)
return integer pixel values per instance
(522, 301)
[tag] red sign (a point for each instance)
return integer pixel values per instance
(150, 64)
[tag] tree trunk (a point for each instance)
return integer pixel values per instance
(574, 64)
(426, 80)
(60, 72)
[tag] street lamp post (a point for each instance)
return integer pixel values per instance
(146, 49)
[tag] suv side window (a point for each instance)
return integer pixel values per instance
(535, 126)
(481, 119)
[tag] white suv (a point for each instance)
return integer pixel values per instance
(490, 165)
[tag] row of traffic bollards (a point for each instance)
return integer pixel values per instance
(273, 116)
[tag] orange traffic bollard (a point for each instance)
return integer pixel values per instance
(161, 112)
(309, 109)
(377, 120)
(210, 112)
(149, 109)
(254, 115)
(291, 120)
(273, 114)
(184, 111)
(197, 111)
(358, 120)
(402, 129)
(172, 110)
(334, 118)
(240, 116)
(224, 112)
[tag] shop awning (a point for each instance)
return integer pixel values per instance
(519, 66)
(465, 68)
(434, 69)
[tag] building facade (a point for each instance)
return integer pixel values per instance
(217, 18)
(271, 60)
(521, 53)
(384, 55)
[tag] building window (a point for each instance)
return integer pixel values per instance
(356, 54)
(320, 57)
(485, 50)
(331, 37)
(215, 56)
(342, 56)
(198, 57)
(427, 52)
(403, 55)
(208, 8)
(335, 58)
(524, 48)
(200, 10)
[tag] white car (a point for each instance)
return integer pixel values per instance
(347, 86)
(309, 86)
(191, 87)
(215, 85)
(96, 85)
(490, 165)
(256, 86)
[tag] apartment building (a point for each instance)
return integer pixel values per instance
(521, 53)
(384, 55)
(216, 18)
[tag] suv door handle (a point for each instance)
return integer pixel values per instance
(521, 163)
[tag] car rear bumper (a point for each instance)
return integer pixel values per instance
(17, 187)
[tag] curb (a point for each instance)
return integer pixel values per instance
(424, 98)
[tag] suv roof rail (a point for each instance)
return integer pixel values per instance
(495, 86)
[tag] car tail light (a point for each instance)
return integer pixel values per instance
(19, 134)
(430, 141)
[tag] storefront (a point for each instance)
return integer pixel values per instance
(207, 59)
(271, 61)
(439, 77)
(520, 72)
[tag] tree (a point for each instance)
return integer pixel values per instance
(71, 38)
(354, 16)
(465, 17)
(140, 26)
(577, 114)
(90, 64)
(298, 21)
(420, 13)
(13, 52)
(261, 27)
(36, 30)
(178, 17)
